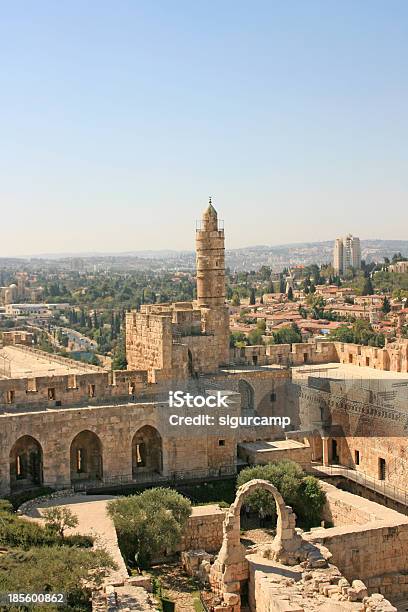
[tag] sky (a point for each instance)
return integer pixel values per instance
(119, 119)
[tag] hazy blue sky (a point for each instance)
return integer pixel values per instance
(118, 119)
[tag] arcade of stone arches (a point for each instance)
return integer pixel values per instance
(86, 458)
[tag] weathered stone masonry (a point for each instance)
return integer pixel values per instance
(115, 426)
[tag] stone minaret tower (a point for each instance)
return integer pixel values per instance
(210, 252)
(210, 260)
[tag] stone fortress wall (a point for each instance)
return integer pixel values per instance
(264, 390)
(367, 540)
(110, 439)
(94, 384)
(393, 357)
(86, 385)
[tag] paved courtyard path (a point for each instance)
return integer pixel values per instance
(93, 520)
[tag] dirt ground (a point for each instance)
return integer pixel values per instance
(183, 590)
(178, 587)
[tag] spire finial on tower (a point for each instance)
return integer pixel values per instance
(210, 210)
(210, 217)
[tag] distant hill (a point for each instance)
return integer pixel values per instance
(246, 258)
(305, 253)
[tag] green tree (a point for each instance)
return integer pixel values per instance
(235, 300)
(270, 288)
(300, 491)
(237, 339)
(59, 518)
(261, 325)
(265, 273)
(289, 334)
(290, 294)
(316, 305)
(252, 297)
(119, 361)
(149, 524)
(342, 334)
(94, 360)
(360, 332)
(368, 288)
(386, 305)
(255, 337)
(281, 284)
(303, 312)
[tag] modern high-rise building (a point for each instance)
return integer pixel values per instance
(346, 254)
(338, 256)
(356, 253)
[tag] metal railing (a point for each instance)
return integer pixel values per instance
(153, 478)
(382, 487)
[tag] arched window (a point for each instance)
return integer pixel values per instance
(26, 459)
(247, 395)
(86, 457)
(146, 452)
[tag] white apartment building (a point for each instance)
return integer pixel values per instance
(346, 254)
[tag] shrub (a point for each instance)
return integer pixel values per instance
(6, 506)
(300, 491)
(59, 569)
(18, 532)
(59, 518)
(79, 541)
(149, 524)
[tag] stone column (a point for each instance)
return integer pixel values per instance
(326, 457)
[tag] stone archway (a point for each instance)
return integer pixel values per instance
(26, 463)
(86, 457)
(230, 569)
(147, 453)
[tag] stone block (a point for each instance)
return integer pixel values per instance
(352, 594)
(141, 581)
(360, 589)
(231, 599)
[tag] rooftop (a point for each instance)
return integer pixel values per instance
(345, 370)
(276, 445)
(17, 362)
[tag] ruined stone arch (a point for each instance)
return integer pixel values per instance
(230, 569)
(26, 463)
(282, 511)
(86, 457)
(247, 395)
(147, 451)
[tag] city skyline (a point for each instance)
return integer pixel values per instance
(386, 244)
(117, 124)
